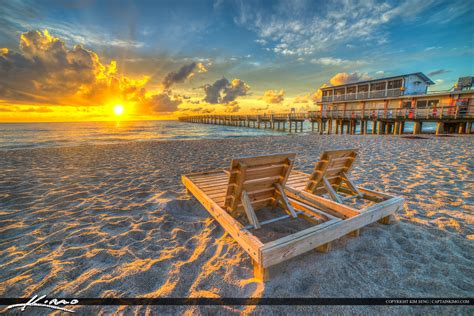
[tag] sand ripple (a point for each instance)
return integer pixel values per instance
(114, 220)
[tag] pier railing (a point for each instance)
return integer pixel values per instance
(440, 112)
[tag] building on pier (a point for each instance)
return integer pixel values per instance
(389, 87)
(400, 92)
(384, 104)
(400, 98)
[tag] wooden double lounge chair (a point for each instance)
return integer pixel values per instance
(236, 196)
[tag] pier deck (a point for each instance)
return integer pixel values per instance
(448, 119)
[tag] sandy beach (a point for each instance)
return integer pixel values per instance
(115, 221)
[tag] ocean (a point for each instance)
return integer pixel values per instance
(34, 135)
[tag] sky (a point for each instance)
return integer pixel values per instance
(80, 60)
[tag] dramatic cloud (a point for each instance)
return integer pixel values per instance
(344, 77)
(162, 102)
(222, 91)
(273, 96)
(45, 71)
(185, 72)
(438, 72)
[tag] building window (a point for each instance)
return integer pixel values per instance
(406, 105)
(433, 103)
(395, 84)
(377, 86)
(339, 91)
(351, 90)
(363, 88)
(327, 93)
(421, 104)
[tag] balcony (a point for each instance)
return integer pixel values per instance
(327, 98)
(390, 93)
(377, 94)
(340, 97)
(394, 92)
(363, 95)
(351, 96)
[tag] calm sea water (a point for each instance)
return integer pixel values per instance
(32, 135)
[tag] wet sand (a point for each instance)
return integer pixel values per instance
(114, 221)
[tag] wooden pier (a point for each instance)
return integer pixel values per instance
(448, 119)
(280, 122)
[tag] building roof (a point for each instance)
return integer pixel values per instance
(419, 74)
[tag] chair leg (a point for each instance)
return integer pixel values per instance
(354, 233)
(260, 272)
(324, 248)
(249, 211)
(351, 184)
(334, 196)
(387, 220)
(284, 200)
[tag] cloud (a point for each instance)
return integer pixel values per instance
(260, 109)
(432, 48)
(330, 61)
(273, 96)
(232, 107)
(293, 28)
(45, 71)
(438, 72)
(162, 102)
(37, 109)
(185, 72)
(222, 91)
(302, 98)
(344, 77)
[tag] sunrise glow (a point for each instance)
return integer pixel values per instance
(242, 59)
(118, 109)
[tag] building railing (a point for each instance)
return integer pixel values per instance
(363, 95)
(439, 112)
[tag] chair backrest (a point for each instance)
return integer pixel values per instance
(257, 176)
(333, 165)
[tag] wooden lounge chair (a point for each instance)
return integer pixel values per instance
(332, 171)
(234, 197)
(331, 176)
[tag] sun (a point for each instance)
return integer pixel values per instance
(118, 109)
